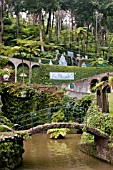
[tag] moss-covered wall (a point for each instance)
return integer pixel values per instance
(19, 101)
(103, 153)
(11, 150)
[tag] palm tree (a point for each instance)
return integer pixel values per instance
(81, 32)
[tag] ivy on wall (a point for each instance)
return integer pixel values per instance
(19, 100)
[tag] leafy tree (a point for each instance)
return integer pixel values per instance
(1, 20)
(31, 49)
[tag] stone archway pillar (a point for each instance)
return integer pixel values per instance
(105, 105)
(30, 74)
(15, 74)
(99, 100)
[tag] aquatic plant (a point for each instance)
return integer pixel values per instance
(57, 133)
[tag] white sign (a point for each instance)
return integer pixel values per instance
(62, 75)
(70, 54)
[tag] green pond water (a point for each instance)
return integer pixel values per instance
(42, 153)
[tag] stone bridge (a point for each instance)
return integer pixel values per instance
(99, 148)
(77, 126)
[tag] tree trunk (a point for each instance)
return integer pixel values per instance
(108, 54)
(1, 20)
(40, 28)
(53, 20)
(72, 24)
(30, 69)
(43, 23)
(48, 29)
(34, 19)
(17, 23)
(58, 25)
(79, 43)
(86, 40)
(48, 23)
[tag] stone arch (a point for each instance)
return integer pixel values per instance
(11, 62)
(9, 65)
(26, 68)
(34, 66)
(93, 84)
(17, 63)
(24, 62)
(105, 78)
(12, 75)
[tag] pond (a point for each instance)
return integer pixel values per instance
(42, 153)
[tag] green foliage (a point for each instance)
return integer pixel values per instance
(99, 62)
(85, 101)
(25, 135)
(81, 106)
(86, 137)
(3, 62)
(26, 107)
(57, 133)
(80, 39)
(96, 119)
(110, 99)
(58, 116)
(20, 71)
(5, 121)
(99, 84)
(21, 104)
(10, 149)
(41, 74)
(110, 81)
(5, 128)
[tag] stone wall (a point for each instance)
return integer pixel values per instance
(104, 153)
(82, 87)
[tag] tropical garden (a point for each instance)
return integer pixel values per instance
(41, 31)
(36, 31)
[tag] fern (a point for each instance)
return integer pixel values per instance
(5, 128)
(57, 133)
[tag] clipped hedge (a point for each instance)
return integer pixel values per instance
(41, 74)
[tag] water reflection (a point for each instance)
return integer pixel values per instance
(42, 153)
(58, 148)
